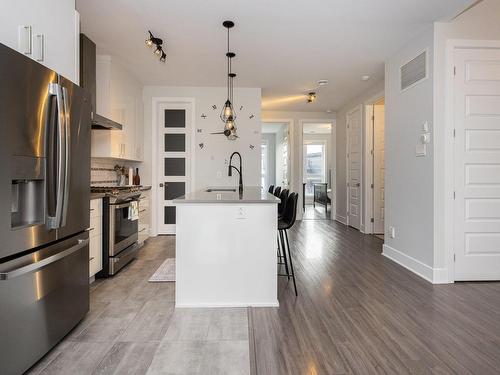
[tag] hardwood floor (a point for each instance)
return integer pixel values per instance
(360, 313)
(356, 313)
(316, 213)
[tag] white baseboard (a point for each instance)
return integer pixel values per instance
(341, 219)
(432, 275)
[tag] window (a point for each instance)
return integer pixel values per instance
(314, 165)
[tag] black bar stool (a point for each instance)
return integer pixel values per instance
(285, 223)
(271, 189)
(281, 206)
(277, 191)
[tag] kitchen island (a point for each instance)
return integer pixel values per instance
(226, 248)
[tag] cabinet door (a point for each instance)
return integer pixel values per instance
(53, 28)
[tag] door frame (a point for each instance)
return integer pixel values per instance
(447, 236)
(155, 128)
(359, 107)
(300, 171)
(368, 160)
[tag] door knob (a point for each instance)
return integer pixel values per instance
(161, 184)
(358, 184)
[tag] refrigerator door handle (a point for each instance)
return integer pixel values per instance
(36, 266)
(67, 155)
(54, 222)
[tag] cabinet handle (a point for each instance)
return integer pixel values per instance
(25, 42)
(142, 230)
(92, 209)
(142, 210)
(41, 47)
(91, 259)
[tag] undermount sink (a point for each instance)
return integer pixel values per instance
(215, 190)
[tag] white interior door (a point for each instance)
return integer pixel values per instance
(378, 168)
(477, 164)
(354, 144)
(173, 160)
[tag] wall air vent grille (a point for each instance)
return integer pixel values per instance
(414, 71)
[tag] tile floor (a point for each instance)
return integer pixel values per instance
(133, 328)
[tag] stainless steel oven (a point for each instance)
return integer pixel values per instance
(123, 229)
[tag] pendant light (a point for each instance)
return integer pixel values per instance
(228, 114)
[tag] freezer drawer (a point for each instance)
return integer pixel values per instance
(44, 295)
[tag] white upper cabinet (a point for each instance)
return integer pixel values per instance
(45, 30)
(119, 98)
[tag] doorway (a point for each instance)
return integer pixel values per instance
(317, 170)
(476, 218)
(378, 168)
(354, 167)
(275, 155)
(172, 159)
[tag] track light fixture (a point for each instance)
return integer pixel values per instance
(311, 97)
(154, 41)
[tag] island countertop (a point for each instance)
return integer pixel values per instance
(251, 194)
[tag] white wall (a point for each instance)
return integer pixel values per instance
(296, 136)
(216, 151)
(482, 22)
(341, 175)
(409, 180)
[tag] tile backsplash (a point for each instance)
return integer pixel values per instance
(102, 172)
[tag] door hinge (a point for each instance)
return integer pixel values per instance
(373, 117)
(348, 184)
(347, 125)
(454, 257)
(454, 195)
(371, 151)
(372, 220)
(347, 154)
(454, 133)
(454, 70)
(372, 186)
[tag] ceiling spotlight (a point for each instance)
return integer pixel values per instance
(163, 56)
(365, 78)
(328, 111)
(323, 82)
(153, 40)
(311, 97)
(158, 50)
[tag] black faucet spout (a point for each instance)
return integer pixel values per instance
(240, 171)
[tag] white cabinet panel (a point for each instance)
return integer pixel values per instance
(45, 31)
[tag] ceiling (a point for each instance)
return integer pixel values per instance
(282, 46)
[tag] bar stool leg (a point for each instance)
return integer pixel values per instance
(291, 264)
(283, 250)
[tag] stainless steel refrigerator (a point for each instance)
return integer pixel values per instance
(44, 209)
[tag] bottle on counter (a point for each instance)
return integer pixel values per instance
(137, 178)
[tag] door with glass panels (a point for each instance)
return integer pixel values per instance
(174, 153)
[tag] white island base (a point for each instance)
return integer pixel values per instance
(226, 249)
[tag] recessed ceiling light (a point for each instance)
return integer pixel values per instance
(328, 111)
(323, 82)
(365, 78)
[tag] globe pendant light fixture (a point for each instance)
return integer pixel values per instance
(228, 114)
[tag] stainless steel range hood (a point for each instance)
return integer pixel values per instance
(102, 123)
(88, 82)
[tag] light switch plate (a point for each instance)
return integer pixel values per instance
(241, 214)
(421, 150)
